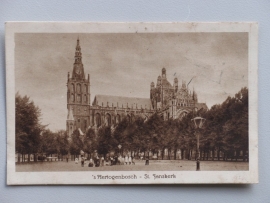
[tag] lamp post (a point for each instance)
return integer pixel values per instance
(147, 158)
(198, 123)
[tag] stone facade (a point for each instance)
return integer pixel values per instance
(170, 101)
(173, 101)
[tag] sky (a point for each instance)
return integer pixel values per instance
(124, 64)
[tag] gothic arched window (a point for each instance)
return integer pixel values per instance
(72, 88)
(78, 98)
(72, 98)
(78, 87)
(85, 98)
(118, 119)
(98, 120)
(85, 88)
(108, 119)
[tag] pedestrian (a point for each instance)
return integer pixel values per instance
(102, 161)
(97, 162)
(129, 160)
(76, 161)
(115, 160)
(91, 164)
(119, 159)
(111, 159)
(126, 159)
(132, 160)
(82, 161)
(147, 160)
(123, 161)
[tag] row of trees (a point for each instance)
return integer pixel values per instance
(225, 132)
(31, 136)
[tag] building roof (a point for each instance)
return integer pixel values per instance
(126, 102)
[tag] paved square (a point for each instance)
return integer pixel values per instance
(155, 165)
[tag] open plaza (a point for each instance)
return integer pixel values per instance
(154, 165)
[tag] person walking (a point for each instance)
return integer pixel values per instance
(126, 159)
(82, 161)
(97, 162)
(91, 164)
(102, 161)
(129, 160)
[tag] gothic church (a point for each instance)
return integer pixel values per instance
(170, 101)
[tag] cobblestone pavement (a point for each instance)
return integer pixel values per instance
(155, 165)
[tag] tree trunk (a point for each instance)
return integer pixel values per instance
(175, 151)
(18, 158)
(182, 154)
(218, 154)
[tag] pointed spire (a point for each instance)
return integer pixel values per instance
(78, 54)
(78, 71)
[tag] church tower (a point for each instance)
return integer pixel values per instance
(78, 96)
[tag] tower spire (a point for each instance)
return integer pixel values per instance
(78, 71)
(78, 54)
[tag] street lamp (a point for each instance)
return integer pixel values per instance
(198, 123)
(147, 158)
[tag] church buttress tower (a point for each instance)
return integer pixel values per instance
(78, 96)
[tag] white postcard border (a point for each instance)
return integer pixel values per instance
(116, 177)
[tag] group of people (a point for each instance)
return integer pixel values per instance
(122, 160)
(109, 161)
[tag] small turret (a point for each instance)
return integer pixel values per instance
(158, 81)
(152, 85)
(163, 72)
(184, 84)
(175, 84)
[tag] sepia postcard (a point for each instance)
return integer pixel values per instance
(131, 103)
